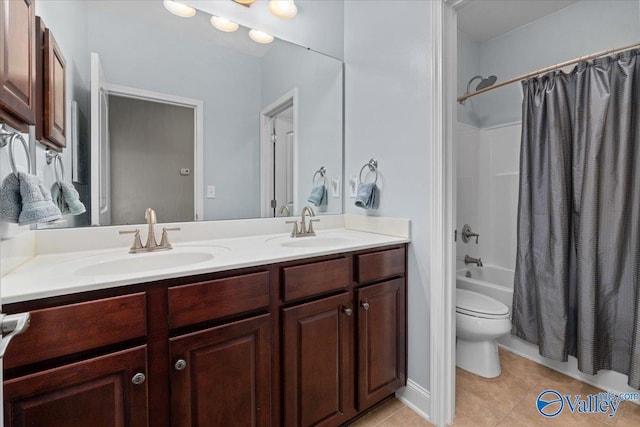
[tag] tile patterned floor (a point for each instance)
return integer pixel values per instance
(506, 401)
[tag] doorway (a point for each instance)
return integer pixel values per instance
(278, 157)
(151, 148)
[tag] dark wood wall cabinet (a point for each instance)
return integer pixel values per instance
(18, 63)
(51, 111)
(313, 342)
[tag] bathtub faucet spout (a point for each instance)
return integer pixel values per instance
(469, 260)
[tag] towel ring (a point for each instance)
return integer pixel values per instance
(322, 171)
(372, 164)
(55, 158)
(12, 160)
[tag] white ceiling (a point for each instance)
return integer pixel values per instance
(486, 19)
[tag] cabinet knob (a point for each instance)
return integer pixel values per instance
(180, 364)
(364, 305)
(138, 378)
(347, 311)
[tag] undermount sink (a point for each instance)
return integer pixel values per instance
(140, 263)
(317, 242)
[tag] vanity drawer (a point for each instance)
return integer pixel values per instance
(316, 278)
(200, 302)
(380, 265)
(68, 329)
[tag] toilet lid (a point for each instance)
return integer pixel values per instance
(473, 302)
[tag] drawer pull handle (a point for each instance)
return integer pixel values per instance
(364, 305)
(180, 364)
(138, 378)
(347, 311)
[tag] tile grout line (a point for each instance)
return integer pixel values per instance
(391, 415)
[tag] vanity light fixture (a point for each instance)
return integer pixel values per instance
(224, 24)
(179, 9)
(285, 9)
(260, 36)
(245, 2)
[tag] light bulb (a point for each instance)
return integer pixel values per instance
(260, 36)
(285, 9)
(223, 24)
(179, 9)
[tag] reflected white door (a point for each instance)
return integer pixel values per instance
(283, 163)
(100, 160)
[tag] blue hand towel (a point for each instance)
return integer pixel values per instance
(10, 199)
(67, 198)
(318, 195)
(37, 205)
(366, 197)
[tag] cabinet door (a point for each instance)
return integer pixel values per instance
(222, 376)
(103, 391)
(317, 369)
(17, 62)
(381, 341)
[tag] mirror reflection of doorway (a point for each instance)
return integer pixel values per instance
(278, 158)
(151, 147)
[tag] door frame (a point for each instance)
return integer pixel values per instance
(198, 122)
(442, 336)
(266, 150)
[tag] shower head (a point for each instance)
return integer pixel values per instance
(485, 82)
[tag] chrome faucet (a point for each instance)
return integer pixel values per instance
(151, 245)
(470, 260)
(304, 231)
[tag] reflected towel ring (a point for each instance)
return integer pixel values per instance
(322, 171)
(57, 163)
(12, 160)
(372, 164)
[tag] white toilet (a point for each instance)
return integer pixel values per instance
(480, 321)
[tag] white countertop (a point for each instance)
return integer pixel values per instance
(53, 274)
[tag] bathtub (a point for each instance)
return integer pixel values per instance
(490, 280)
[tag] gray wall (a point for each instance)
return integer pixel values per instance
(144, 56)
(149, 143)
(583, 28)
(318, 79)
(388, 116)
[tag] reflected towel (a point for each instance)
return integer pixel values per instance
(67, 198)
(10, 199)
(318, 195)
(366, 197)
(37, 205)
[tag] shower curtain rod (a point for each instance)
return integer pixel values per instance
(466, 96)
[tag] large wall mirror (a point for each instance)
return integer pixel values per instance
(199, 124)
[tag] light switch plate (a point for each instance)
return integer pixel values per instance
(211, 191)
(335, 187)
(353, 186)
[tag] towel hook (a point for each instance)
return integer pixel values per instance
(322, 171)
(8, 138)
(372, 164)
(57, 163)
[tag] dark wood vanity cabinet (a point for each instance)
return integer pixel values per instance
(221, 376)
(51, 111)
(304, 343)
(318, 362)
(17, 63)
(109, 390)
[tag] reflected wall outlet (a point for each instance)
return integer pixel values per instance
(353, 186)
(211, 191)
(335, 187)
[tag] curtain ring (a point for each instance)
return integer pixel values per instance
(12, 160)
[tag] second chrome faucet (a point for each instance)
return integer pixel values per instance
(304, 231)
(152, 244)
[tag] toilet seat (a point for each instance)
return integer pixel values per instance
(477, 305)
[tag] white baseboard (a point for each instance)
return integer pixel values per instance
(417, 398)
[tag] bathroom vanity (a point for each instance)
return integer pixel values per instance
(305, 340)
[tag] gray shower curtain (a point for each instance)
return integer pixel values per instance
(577, 280)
